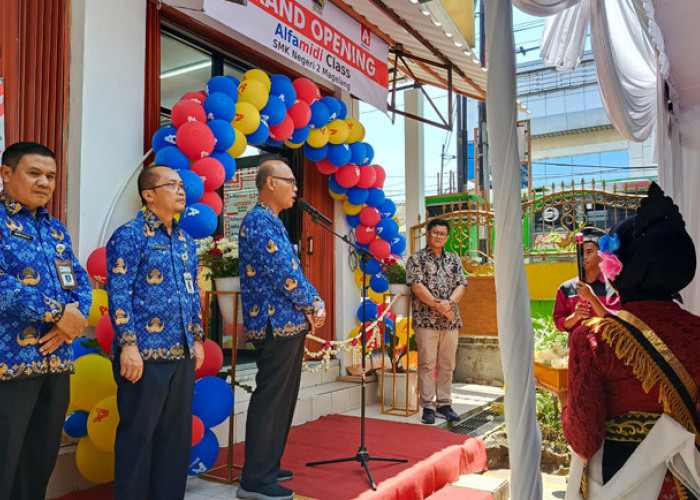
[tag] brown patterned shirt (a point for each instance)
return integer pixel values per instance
(440, 275)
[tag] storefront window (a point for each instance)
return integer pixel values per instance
(183, 68)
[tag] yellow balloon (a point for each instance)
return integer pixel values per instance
(92, 382)
(354, 333)
(177, 216)
(257, 74)
(102, 423)
(247, 119)
(375, 297)
(412, 359)
(239, 144)
(337, 131)
(336, 196)
(94, 464)
(404, 328)
(318, 137)
(356, 131)
(351, 209)
(291, 145)
(357, 274)
(254, 92)
(99, 306)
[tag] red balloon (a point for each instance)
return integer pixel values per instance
(104, 333)
(213, 360)
(211, 171)
(283, 131)
(197, 430)
(368, 176)
(381, 177)
(212, 199)
(348, 175)
(187, 110)
(390, 313)
(198, 97)
(365, 234)
(97, 265)
(380, 248)
(370, 216)
(326, 167)
(307, 90)
(300, 113)
(195, 139)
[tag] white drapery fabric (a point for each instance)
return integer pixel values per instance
(512, 298)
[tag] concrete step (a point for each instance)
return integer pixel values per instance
(474, 487)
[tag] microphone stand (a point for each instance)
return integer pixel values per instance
(363, 456)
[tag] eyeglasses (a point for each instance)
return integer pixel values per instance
(291, 180)
(436, 234)
(172, 186)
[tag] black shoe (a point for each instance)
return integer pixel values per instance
(284, 475)
(267, 492)
(448, 413)
(428, 416)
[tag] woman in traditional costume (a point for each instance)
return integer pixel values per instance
(633, 377)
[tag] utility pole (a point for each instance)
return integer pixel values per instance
(462, 144)
(483, 181)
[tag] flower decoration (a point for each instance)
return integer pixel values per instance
(219, 255)
(610, 264)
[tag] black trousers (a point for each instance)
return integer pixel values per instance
(154, 436)
(32, 412)
(271, 408)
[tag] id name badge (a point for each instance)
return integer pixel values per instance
(66, 276)
(189, 283)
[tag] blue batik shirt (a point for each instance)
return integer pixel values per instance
(31, 297)
(150, 302)
(273, 286)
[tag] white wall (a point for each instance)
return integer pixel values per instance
(105, 129)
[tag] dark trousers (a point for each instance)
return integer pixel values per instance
(32, 412)
(271, 408)
(154, 436)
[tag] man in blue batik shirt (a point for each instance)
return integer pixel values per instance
(280, 306)
(155, 311)
(45, 297)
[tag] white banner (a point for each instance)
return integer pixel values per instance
(316, 35)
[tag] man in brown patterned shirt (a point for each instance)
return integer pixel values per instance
(437, 282)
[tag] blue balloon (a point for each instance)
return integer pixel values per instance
(220, 106)
(358, 152)
(379, 283)
(375, 198)
(228, 161)
(274, 111)
(398, 244)
(281, 86)
(343, 113)
(223, 133)
(339, 154)
(333, 107)
(357, 196)
(224, 84)
(172, 157)
(213, 400)
(300, 135)
(80, 349)
(204, 454)
(260, 135)
(271, 142)
(387, 229)
(372, 267)
(388, 329)
(370, 311)
(75, 425)
(387, 209)
(194, 187)
(319, 115)
(369, 155)
(199, 220)
(334, 186)
(164, 136)
(315, 154)
(353, 220)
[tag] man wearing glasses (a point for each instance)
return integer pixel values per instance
(437, 282)
(155, 311)
(280, 306)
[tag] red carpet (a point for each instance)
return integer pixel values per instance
(436, 458)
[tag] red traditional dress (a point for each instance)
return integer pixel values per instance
(600, 386)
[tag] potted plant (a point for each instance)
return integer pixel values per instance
(396, 273)
(401, 380)
(219, 258)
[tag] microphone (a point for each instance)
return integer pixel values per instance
(313, 212)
